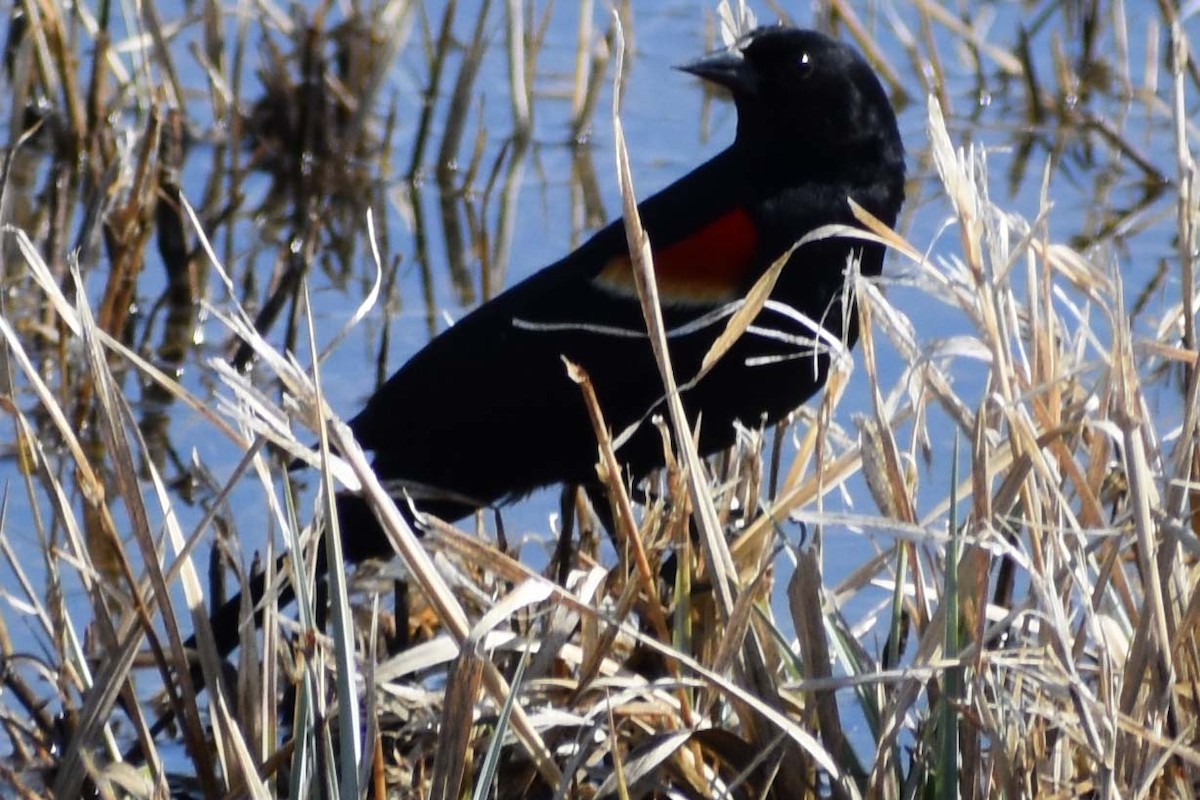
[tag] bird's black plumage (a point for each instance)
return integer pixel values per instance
(486, 413)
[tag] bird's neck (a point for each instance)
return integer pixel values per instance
(792, 162)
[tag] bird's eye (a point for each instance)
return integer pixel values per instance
(804, 65)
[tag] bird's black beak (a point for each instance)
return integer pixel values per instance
(726, 68)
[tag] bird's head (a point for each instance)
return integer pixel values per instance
(805, 93)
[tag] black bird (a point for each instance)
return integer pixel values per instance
(485, 413)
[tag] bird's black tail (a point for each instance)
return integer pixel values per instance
(224, 621)
(226, 635)
(362, 538)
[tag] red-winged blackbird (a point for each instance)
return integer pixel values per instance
(486, 413)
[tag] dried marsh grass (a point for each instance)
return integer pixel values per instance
(1036, 598)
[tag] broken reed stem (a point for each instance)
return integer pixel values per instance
(724, 573)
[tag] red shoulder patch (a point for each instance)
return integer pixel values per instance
(710, 266)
